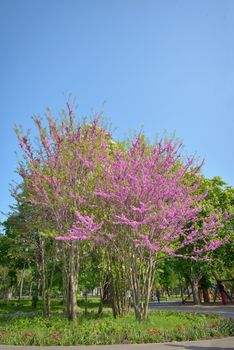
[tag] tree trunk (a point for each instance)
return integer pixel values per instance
(194, 285)
(113, 298)
(21, 285)
(141, 283)
(65, 282)
(43, 278)
(181, 289)
(49, 279)
(73, 256)
(30, 289)
(72, 297)
(149, 283)
(86, 302)
(116, 285)
(206, 295)
(100, 307)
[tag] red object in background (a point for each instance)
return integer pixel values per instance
(224, 297)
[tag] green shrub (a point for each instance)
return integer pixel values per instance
(161, 326)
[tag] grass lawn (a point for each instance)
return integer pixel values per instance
(161, 326)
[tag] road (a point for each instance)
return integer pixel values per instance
(222, 310)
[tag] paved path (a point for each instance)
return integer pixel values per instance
(215, 344)
(222, 310)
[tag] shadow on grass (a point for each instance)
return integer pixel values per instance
(11, 319)
(25, 306)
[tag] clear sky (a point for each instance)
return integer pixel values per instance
(157, 63)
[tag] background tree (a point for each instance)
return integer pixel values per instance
(219, 198)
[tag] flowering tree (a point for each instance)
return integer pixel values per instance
(59, 178)
(151, 213)
(136, 203)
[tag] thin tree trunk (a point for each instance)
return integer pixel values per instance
(30, 289)
(72, 298)
(65, 282)
(21, 285)
(43, 277)
(100, 307)
(113, 298)
(194, 285)
(136, 291)
(86, 302)
(181, 289)
(49, 283)
(73, 278)
(149, 283)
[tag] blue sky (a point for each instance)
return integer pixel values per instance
(157, 63)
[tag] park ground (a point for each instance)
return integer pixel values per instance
(169, 323)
